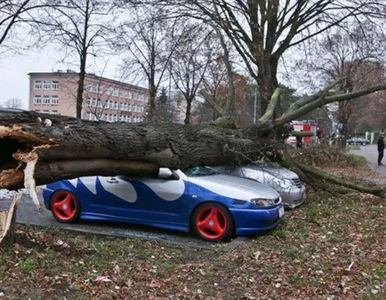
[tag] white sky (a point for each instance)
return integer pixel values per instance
(14, 81)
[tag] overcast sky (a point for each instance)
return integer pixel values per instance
(14, 82)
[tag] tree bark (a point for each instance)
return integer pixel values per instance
(34, 154)
(72, 147)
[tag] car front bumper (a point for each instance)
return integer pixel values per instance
(254, 221)
(293, 196)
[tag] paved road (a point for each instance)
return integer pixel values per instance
(371, 154)
(27, 213)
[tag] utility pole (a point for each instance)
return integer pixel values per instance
(170, 104)
(255, 106)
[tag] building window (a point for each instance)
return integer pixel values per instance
(55, 85)
(54, 112)
(115, 105)
(54, 100)
(38, 85)
(38, 99)
(109, 90)
(46, 100)
(116, 92)
(46, 85)
(99, 103)
(129, 107)
(92, 87)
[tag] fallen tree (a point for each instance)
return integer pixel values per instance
(37, 149)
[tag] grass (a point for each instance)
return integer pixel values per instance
(353, 147)
(360, 160)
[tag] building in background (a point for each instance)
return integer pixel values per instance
(104, 99)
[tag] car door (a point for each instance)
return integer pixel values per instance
(158, 200)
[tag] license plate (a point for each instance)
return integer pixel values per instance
(281, 212)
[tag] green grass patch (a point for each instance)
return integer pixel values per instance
(353, 147)
(359, 160)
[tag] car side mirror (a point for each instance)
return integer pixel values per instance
(165, 173)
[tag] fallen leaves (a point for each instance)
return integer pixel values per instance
(333, 248)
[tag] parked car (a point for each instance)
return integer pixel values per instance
(358, 141)
(284, 181)
(214, 206)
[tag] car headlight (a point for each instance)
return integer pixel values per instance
(281, 183)
(263, 202)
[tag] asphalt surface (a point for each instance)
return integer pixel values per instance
(28, 214)
(370, 152)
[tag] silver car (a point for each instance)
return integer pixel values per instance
(284, 181)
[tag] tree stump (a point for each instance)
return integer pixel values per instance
(7, 223)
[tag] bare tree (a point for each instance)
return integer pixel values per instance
(13, 103)
(18, 15)
(355, 54)
(82, 28)
(150, 40)
(262, 31)
(190, 62)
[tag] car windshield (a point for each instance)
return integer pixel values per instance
(200, 171)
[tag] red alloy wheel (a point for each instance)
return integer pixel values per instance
(213, 222)
(65, 207)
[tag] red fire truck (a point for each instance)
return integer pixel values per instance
(307, 126)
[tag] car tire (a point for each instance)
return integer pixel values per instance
(363, 144)
(212, 222)
(65, 207)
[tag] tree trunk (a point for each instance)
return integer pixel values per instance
(188, 111)
(34, 154)
(152, 100)
(72, 147)
(267, 80)
(7, 223)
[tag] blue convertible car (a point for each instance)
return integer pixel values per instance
(214, 206)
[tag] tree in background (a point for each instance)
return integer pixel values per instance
(148, 40)
(162, 106)
(190, 62)
(13, 103)
(353, 57)
(263, 31)
(16, 15)
(81, 28)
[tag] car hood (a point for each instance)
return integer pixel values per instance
(235, 187)
(279, 172)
